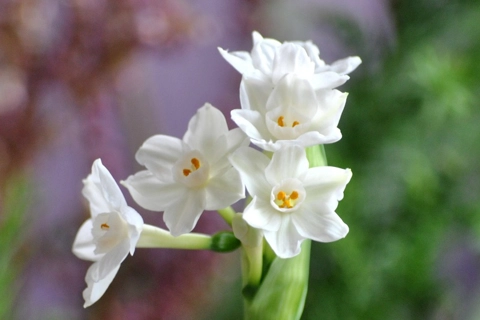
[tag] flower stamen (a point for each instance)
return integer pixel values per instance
(195, 166)
(196, 163)
(104, 226)
(281, 123)
(285, 200)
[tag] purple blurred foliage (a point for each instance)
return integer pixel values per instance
(458, 268)
(95, 78)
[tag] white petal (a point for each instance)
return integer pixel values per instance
(101, 190)
(272, 146)
(313, 138)
(260, 214)
(240, 60)
(151, 193)
(263, 53)
(328, 80)
(225, 145)
(254, 91)
(95, 290)
(249, 236)
(313, 52)
(289, 162)
(83, 245)
(111, 191)
(224, 190)
(251, 165)
(346, 65)
(256, 37)
(135, 224)
(327, 183)
(294, 92)
(205, 128)
(236, 138)
(286, 241)
(182, 216)
(252, 123)
(92, 191)
(331, 105)
(110, 261)
(319, 223)
(158, 153)
(291, 58)
(132, 217)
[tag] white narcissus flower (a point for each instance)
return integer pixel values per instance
(290, 201)
(270, 60)
(109, 235)
(186, 177)
(287, 93)
(294, 112)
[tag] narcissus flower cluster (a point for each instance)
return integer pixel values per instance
(289, 102)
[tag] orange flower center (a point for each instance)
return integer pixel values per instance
(281, 122)
(195, 166)
(285, 200)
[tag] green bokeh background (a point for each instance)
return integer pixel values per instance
(411, 134)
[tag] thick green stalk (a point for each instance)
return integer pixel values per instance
(316, 156)
(282, 293)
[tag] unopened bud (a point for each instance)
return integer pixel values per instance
(224, 241)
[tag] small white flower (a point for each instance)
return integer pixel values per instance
(186, 177)
(109, 235)
(271, 60)
(294, 111)
(290, 201)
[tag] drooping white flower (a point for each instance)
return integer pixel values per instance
(295, 112)
(270, 60)
(109, 235)
(186, 177)
(290, 201)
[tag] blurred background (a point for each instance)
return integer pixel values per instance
(83, 79)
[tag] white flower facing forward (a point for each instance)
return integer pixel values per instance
(290, 201)
(186, 177)
(294, 112)
(109, 235)
(270, 60)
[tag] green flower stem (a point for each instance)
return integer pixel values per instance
(227, 214)
(154, 237)
(316, 156)
(254, 257)
(268, 253)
